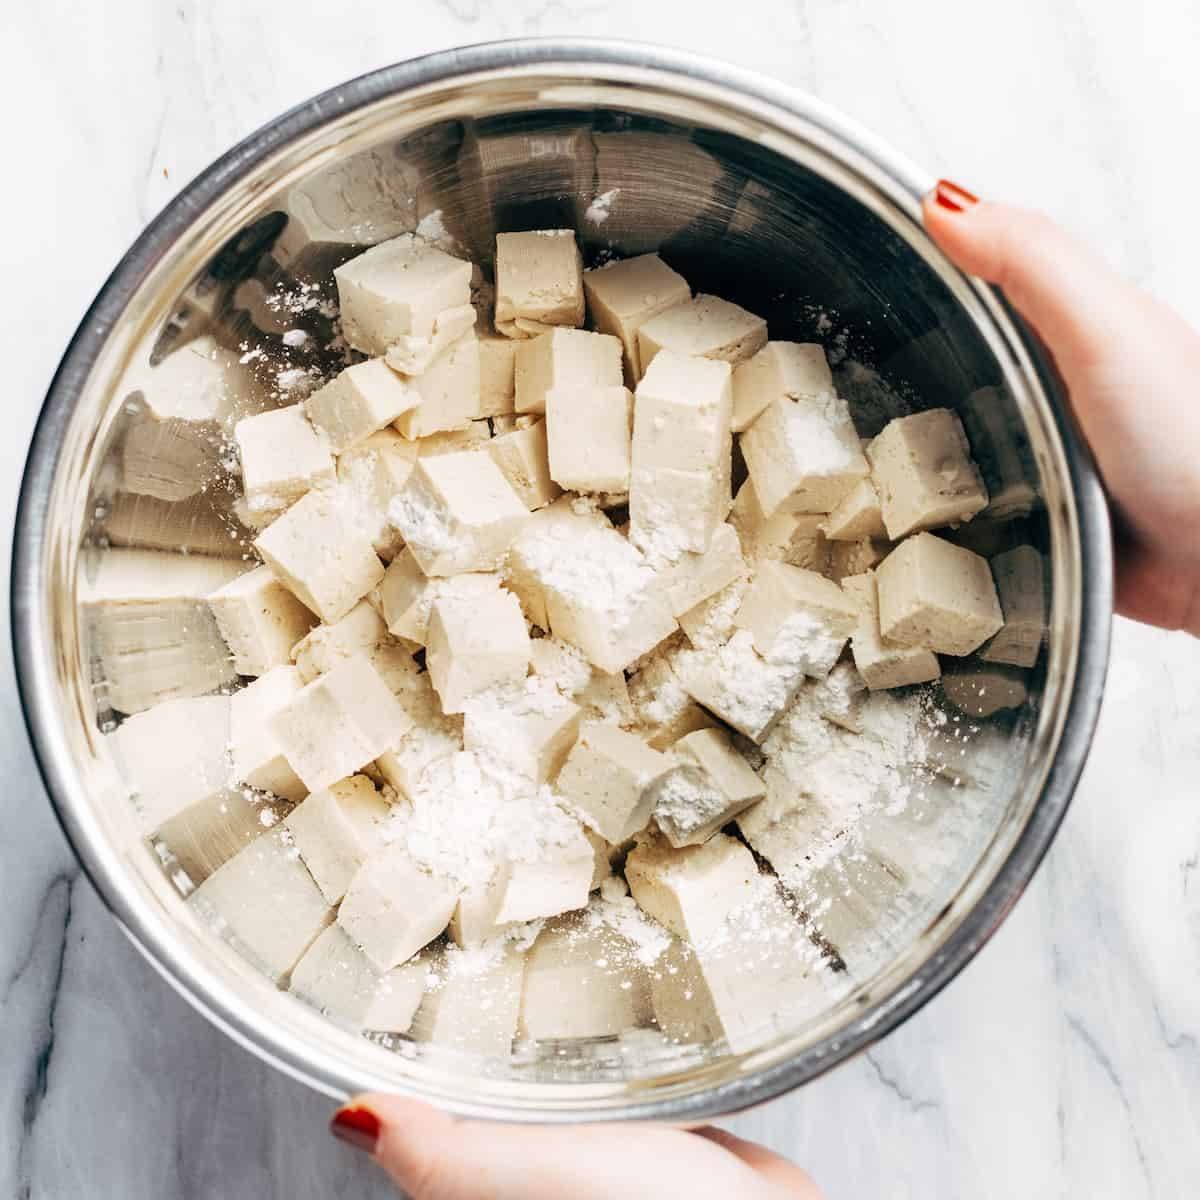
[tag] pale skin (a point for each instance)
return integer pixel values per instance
(1131, 366)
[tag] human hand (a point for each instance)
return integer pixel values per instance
(431, 1156)
(1131, 367)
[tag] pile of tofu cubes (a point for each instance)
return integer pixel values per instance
(524, 482)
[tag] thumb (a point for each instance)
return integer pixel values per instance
(1072, 300)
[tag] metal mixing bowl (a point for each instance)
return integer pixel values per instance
(754, 192)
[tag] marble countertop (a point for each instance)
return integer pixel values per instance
(1065, 1061)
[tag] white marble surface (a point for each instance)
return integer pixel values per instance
(1066, 1060)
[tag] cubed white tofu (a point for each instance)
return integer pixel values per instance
(149, 627)
(475, 642)
(260, 620)
(856, 516)
(922, 469)
(369, 475)
(359, 402)
(794, 538)
(704, 327)
(797, 616)
(566, 360)
(1021, 584)
(393, 907)
(591, 587)
(665, 711)
(430, 738)
(981, 689)
(339, 723)
(696, 577)
(557, 880)
(589, 432)
(880, 662)
(448, 391)
(523, 458)
(682, 455)
(458, 513)
(474, 919)
(406, 595)
(173, 755)
(600, 696)
(803, 455)
(529, 727)
(937, 595)
(359, 631)
(336, 830)
(336, 977)
(539, 277)
(609, 778)
(258, 759)
(497, 372)
(582, 983)
(414, 356)
(283, 457)
(623, 296)
(268, 903)
(320, 554)
(796, 370)
(399, 290)
(694, 889)
(737, 684)
(693, 805)
(474, 1006)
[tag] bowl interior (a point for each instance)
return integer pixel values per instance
(749, 202)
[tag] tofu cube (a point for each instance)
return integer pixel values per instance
(497, 372)
(474, 1005)
(458, 513)
(880, 662)
(258, 758)
(1020, 576)
(737, 684)
(692, 890)
(268, 903)
(474, 919)
(393, 907)
(665, 711)
(796, 370)
(369, 475)
(531, 730)
(358, 632)
(857, 516)
(937, 595)
(148, 625)
(682, 455)
(428, 740)
(399, 289)
(283, 457)
(260, 620)
(623, 296)
(589, 433)
(600, 696)
(703, 327)
(797, 616)
(339, 723)
(474, 644)
(795, 538)
(173, 755)
(336, 830)
(448, 392)
(982, 689)
(922, 468)
(539, 277)
(523, 459)
(609, 778)
(319, 553)
(413, 356)
(359, 402)
(696, 577)
(336, 977)
(695, 803)
(558, 880)
(568, 360)
(803, 455)
(406, 595)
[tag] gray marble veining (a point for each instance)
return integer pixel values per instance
(1066, 1059)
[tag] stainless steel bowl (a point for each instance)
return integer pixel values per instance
(756, 192)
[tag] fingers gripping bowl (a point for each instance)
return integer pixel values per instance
(752, 193)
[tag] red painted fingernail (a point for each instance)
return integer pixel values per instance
(358, 1126)
(950, 195)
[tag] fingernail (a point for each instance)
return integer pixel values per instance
(358, 1126)
(950, 195)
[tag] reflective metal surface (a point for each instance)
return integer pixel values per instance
(753, 192)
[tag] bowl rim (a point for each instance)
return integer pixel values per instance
(33, 637)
